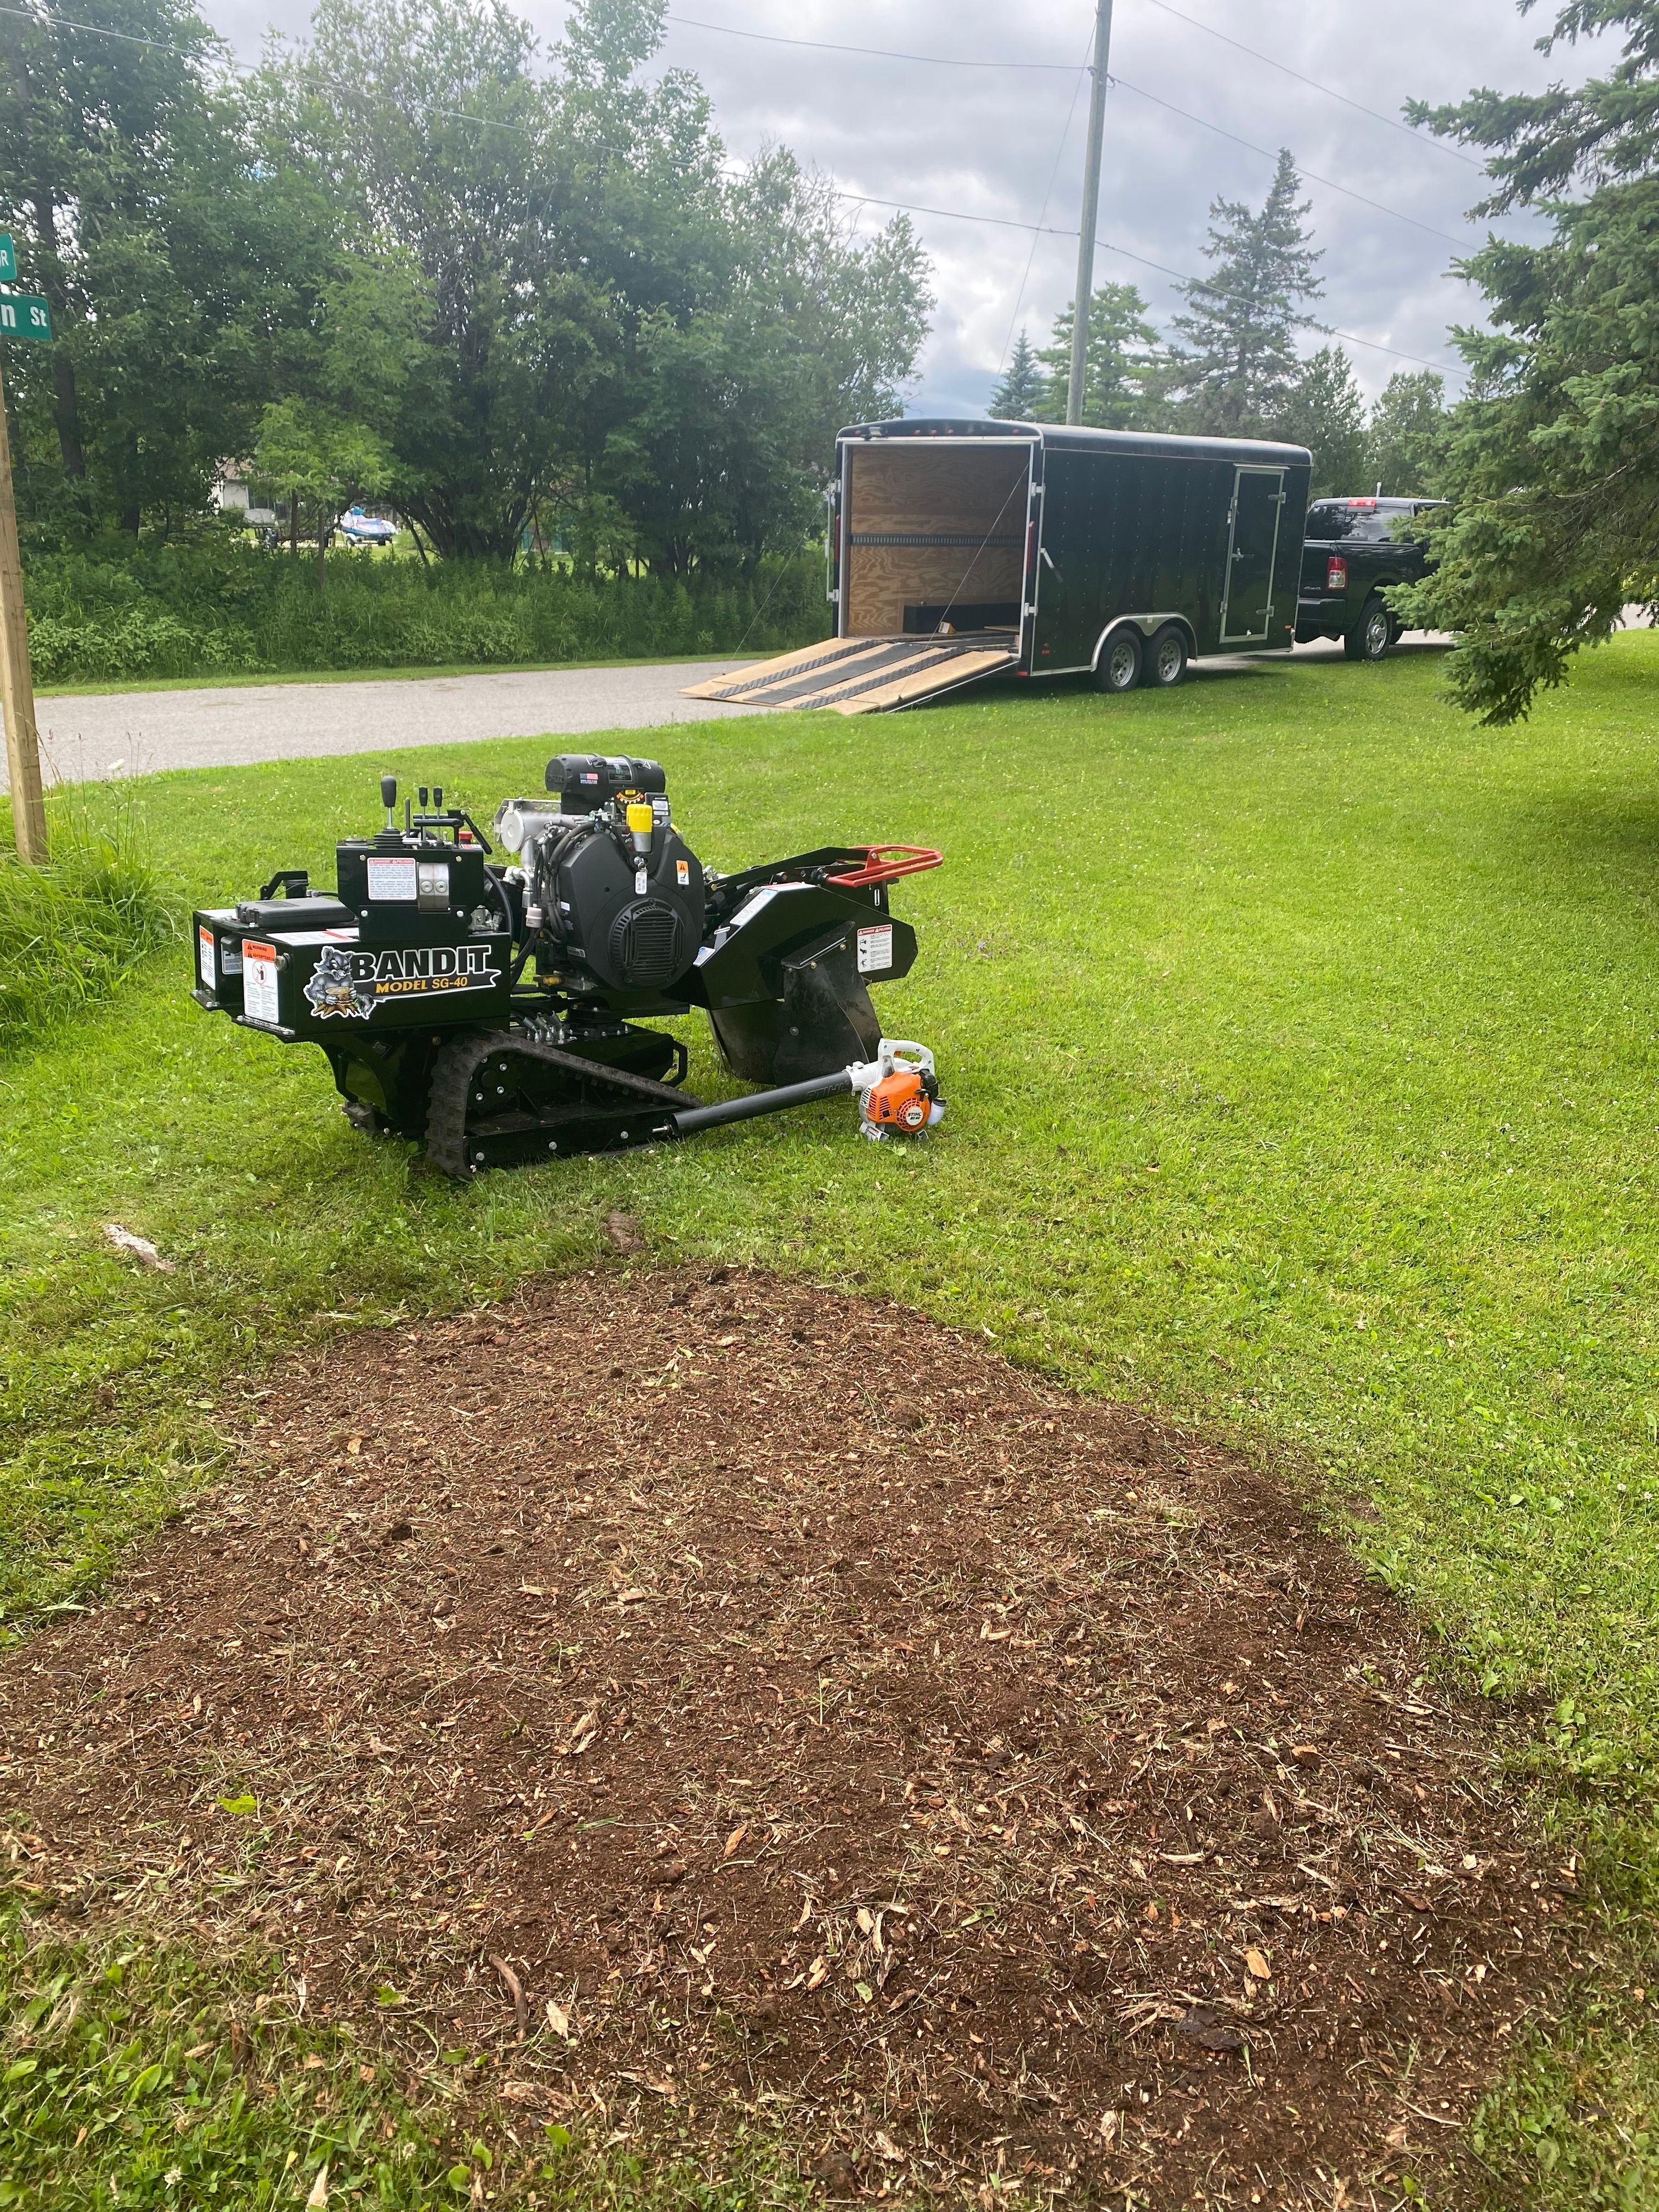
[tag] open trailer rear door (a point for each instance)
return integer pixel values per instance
(861, 675)
(930, 541)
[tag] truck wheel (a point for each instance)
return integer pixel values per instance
(1372, 634)
(1166, 659)
(1118, 667)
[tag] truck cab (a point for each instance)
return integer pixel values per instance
(1353, 549)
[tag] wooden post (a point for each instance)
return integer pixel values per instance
(28, 808)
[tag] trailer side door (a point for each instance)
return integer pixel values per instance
(1246, 610)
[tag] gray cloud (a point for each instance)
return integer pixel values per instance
(988, 142)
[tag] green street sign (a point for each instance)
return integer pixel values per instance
(8, 258)
(24, 316)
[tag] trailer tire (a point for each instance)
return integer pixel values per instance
(1166, 659)
(1118, 668)
(1373, 633)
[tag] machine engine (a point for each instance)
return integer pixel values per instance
(613, 896)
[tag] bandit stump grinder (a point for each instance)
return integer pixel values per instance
(493, 1010)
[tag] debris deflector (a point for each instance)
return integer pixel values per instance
(861, 675)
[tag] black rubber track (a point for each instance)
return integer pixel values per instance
(460, 1061)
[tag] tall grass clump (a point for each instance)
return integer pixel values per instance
(72, 931)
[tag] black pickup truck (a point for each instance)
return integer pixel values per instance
(1351, 550)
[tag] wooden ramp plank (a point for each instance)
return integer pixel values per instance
(885, 665)
(804, 656)
(804, 687)
(855, 676)
(925, 683)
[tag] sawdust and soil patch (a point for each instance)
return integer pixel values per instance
(717, 1696)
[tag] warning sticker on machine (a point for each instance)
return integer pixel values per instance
(227, 960)
(394, 879)
(260, 1002)
(875, 949)
(216, 961)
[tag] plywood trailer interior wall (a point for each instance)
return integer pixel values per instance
(932, 527)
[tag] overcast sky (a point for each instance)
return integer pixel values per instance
(1008, 142)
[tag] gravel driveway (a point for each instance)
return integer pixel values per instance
(87, 737)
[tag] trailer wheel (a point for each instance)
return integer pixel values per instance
(1373, 633)
(1166, 659)
(1118, 668)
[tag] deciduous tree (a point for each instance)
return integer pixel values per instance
(1325, 410)
(169, 254)
(1407, 435)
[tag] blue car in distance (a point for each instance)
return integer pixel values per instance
(360, 529)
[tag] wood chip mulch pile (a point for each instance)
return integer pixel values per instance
(734, 1701)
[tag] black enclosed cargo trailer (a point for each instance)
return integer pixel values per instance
(959, 551)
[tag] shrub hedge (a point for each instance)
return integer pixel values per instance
(221, 603)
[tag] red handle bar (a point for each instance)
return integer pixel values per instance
(882, 863)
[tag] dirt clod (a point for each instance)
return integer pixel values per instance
(773, 1709)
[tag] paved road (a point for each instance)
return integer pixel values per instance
(136, 733)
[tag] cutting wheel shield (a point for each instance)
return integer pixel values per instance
(499, 1096)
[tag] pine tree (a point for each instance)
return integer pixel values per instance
(1239, 366)
(1325, 412)
(1553, 459)
(1017, 397)
(1122, 348)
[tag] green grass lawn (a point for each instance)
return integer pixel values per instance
(1300, 1046)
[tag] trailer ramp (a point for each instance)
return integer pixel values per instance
(862, 675)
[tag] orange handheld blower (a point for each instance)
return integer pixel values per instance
(898, 1092)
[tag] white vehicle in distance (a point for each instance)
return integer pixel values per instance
(360, 529)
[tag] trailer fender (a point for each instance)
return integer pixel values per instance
(1148, 625)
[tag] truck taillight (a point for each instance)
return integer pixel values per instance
(1336, 574)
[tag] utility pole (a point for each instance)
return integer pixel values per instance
(21, 317)
(1085, 245)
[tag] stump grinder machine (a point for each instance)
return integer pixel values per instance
(493, 1009)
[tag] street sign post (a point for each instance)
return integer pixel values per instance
(21, 317)
(25, 315)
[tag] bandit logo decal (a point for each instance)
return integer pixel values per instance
(332, 990)
(348, 986)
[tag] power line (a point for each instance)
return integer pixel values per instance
(879, 53)
(1329, 90)
(1049, 230)
(1312, 176)
(950, 61)
(866, 199)
(1025, 276)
